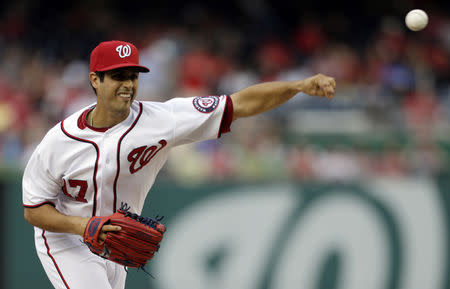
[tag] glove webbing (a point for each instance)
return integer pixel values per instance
(144, 220)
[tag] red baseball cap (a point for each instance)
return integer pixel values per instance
(110, 55)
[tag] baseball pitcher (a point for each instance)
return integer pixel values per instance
(85, 185)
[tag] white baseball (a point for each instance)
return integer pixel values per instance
(416, 19)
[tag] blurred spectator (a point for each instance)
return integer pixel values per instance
(162, 55)
(300, 162)
(390, 161)
(422, 113)
(200, 71)
(399, 80)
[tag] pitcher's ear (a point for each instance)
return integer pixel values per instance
(94, 79)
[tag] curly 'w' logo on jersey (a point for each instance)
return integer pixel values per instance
(141, 156)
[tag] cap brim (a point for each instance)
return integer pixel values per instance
(140, 68)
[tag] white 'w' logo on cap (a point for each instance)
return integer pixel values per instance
(124, 50)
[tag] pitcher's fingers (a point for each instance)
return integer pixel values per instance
(101, 237)
(324, 89)
(111, 228)
(329, 91)
(332, 82)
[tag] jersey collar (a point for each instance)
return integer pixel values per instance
(82, 122)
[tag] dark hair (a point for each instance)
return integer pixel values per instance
(101, 76)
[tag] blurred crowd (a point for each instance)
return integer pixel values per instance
(390, 115)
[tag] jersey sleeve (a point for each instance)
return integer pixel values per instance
(38, 185)
(200, 118)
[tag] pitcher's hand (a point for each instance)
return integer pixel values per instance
(319, 85)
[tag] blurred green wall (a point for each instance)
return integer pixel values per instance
(381, 234)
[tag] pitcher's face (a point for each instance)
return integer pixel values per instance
(118, 89)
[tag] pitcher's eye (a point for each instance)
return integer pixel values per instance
(118, 76)
(122, 76)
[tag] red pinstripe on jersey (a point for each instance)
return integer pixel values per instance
(94, 177)
(53, 260)
(118, 156)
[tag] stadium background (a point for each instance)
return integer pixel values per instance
(352, 193)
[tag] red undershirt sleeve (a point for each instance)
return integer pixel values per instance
(227, 119)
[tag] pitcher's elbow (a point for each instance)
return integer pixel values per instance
(28, 216)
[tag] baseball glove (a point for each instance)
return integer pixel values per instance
(133, 245)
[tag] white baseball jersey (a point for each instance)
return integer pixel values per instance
(84, 171)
